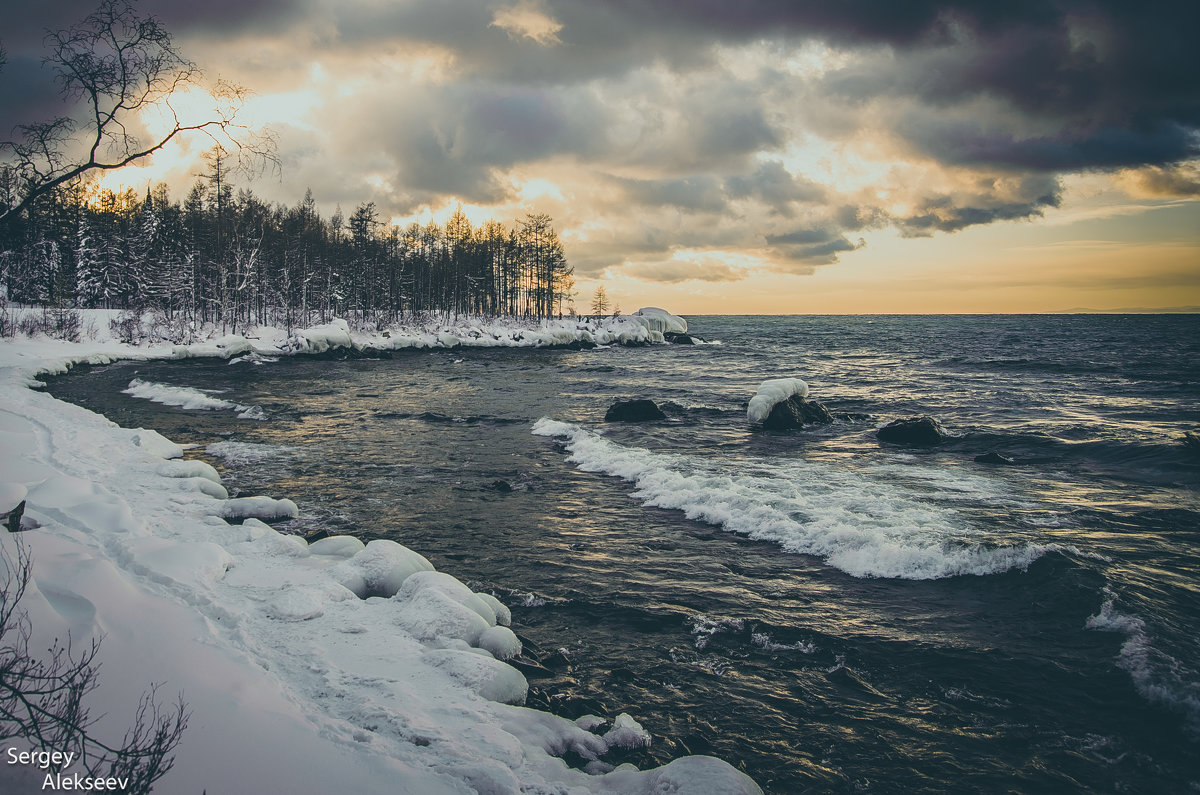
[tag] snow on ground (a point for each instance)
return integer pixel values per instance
(296, 682)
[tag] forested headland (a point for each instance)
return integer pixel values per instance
(221, 256)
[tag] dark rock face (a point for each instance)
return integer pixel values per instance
(994, 458)
(678, 339)
(796, 412)
(12, 520)
(502, 486)
(920, 431)
(634, 411)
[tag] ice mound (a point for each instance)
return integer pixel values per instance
(775, 390)
(337, 546)
(259, 508)
(627, 733)
(379, 569)
(190, 468)
(491, 679)
(187, 398)
(502, 642)
(661, 320)
(319, 339)
(503, 614)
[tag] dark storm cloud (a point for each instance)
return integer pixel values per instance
(1102, 83)
(808, 246)
(701, 193)
(774, 185)
(28, 93)
(676, 272)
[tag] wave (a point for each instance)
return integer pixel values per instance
(245, 453)
(1157, 676)
(860, 525)
(187, 398)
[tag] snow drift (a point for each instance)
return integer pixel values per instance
(330, 667)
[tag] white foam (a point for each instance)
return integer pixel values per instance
(241, 453)
(187, 398)
(864, 526)
(771, 392)
(763, 641)
(1157, 676)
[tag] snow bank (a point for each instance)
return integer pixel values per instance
(319, 339)
(331, 667)
(771, 393)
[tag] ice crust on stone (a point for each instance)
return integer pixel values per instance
(627, 733)
(259, 508)
(771, 392)
(295, 682)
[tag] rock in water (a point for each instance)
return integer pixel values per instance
(796, 412)
(922, 431)
(994, 458)
(679, 339)
(634, 411)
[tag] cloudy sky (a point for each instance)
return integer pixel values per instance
(717, 156)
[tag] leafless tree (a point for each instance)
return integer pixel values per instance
(42, 698)
(113, 66)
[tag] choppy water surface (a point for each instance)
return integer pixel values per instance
(830, 613)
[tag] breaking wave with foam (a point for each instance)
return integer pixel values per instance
(187, 398)
(1157, 676)
(862, 526)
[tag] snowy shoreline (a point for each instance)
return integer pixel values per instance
(295, 681)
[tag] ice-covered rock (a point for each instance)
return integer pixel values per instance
(661, 320)
(503, 614)
(772, 392)
(337, 546)
(380, 568)
(781, 404)
(502, 642)
(259, 508)
(627, 733)
(189, 468)
(490, 678)
(320, 339)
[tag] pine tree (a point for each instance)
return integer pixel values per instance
(600, 301)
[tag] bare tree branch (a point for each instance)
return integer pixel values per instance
(115, 65)
(42, 700)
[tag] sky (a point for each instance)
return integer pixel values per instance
(858, 156)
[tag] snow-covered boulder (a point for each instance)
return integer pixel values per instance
(627, 733)
(490, 678)
(337, 546)
(781, 404)
(259, 508)
(379, 569)
(502, 642)
(661, 320)
(319, 339)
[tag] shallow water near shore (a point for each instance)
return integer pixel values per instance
(825, 611)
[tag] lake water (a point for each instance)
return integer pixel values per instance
(825, 611)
